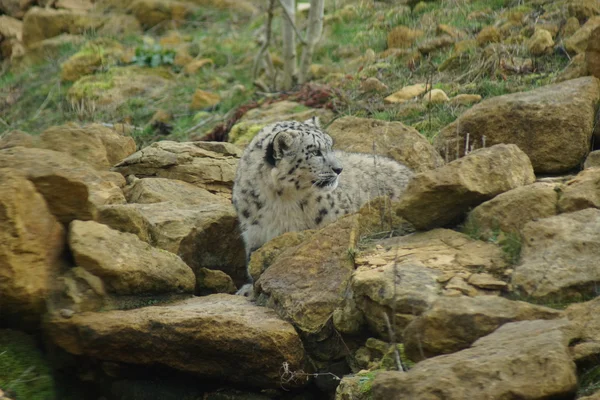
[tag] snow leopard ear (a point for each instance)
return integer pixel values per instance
(314, 121)
(282, 144)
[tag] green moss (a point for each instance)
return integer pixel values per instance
(242, 133)
(89, 87)
(24, 373)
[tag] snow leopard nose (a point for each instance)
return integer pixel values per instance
(337, 170)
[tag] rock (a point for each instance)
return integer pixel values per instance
(17, 138)
(306, 283)
(72, 188)
(151, 13)
(10, 28)
(431, 45)
(419, 260)
(516, 355)
(39, 52)
(120, 26)
(523, 119)
(194, 66)
(583, 9)
(441, 196)
(489, 34)
(31, 242)
(79, 291)
(211, 281)
(560, 256)
(577, 68)
(236, 6)
(95, 144)
(452, 31)
(391, 139)
(465, 99)
(110, 90)
(407, 93)
(402, 37)
(585, 322)
(156, 190)
(254, 120)
(203, 99)
(592, 160)
(486, 281)
(454, 323)
(592, 53)
(581, 192)
(76, 5)
(45, 23)
(213, 337)
(578, 42)
(126, 264)
(373, 85)
(11, 8)
(208, 165)
(202, 235)
(540, 43)
(95, 55)
(510, 211)
(435, 96)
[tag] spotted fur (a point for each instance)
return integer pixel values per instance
(290, 179)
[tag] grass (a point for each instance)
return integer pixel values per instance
(589, 381)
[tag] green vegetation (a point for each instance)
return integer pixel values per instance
(589, 381)
(153, 56)
(24, 373)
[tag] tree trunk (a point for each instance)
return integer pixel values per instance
(313, 34)
(289, 44)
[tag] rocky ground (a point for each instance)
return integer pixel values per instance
(119, 246)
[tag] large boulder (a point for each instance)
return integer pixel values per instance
(592, 53)
(152, 13)
(391, 139)
(44, 23)
(510, 211)
(578, 42)
(209, 165)
(405, 275)
(520, 360)
(442, 196)
(560, 256)
(454, 323)
(215, 337)
(126, 264)
(95, 144)
(553, 125)
(581, 192)
(31, 242)
(73, 189)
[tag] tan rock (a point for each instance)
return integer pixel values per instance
(126, 264)
(45, 23)
(434, 44)
(373, 85)
(156, 190)
(391, 139)
(583, 9)
(581, 192)
(10, 28)
(571, 26)
(237, 6)
(440, 197)
(465, 45)
(578, 42)
(437, 331)
(213, 337)
(452, 31)
(540, 349)
(306, 283)
(510, 211)
(460, 285)
(203, 99)
(72, 188)
(486, 281)
(465, 99)
(76, 5)
(17, 138)
(80, 291)
(202, 235)
(577, 68)
(11, 8)
(211, 281)
(120, 25)
(540, 43)
(592, 53)
(569, 107)
(208, 165)
(31, 242)
(95, 55)
(100, 146)
(560, 256)
(194, 66)
(585, 323)
(592, 160)
(151, 13)
(402, 37)
(489, 34)
(407, 93)
(435, 96)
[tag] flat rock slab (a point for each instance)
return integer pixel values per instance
(560, 256)
(553, 125)
(156, 190)
(442, 196)
(391, 139)
(209, 165)
(126, 264)
(520, 360)
(31, 242)
(454, 323)
(219, 336)
(73, 189)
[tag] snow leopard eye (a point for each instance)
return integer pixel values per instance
(316, 153)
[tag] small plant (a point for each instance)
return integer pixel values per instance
(153, 56)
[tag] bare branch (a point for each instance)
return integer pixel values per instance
(292, 23)
(267, 41)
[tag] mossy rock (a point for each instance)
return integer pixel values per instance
(241, 134)
(96, 54)
(24, 373)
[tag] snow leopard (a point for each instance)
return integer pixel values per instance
(289, 178)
